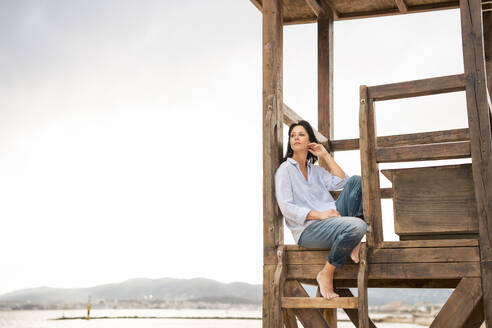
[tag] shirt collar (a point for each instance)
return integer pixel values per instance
(294, 162)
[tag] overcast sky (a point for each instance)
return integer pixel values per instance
(130, 131)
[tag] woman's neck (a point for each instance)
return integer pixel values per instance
(300, 157)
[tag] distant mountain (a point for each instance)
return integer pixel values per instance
(197, 290)
(164, 289)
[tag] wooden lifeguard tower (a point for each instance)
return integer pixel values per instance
(443, 214)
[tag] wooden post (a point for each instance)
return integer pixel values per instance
(272, 154)
(371, 195)
(487, 38)
(480, 135)
(325, 99)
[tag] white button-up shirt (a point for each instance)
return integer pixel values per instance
(296, 196)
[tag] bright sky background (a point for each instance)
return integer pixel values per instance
(130, 131)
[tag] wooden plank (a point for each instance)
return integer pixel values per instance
(417, 88)
(307, 317)
(289, 117)
(353, 314)
(371, 198)
(290, 320)
(319, 303)
(325, 75)
(393, 271)
(272, 155)
(399, 283)
(394, 255)
(440, 236)
(272, 126)
(404, 244)
(460, 304)
(476, 318)
(329, 6)
(424, 152)
(487, 38)
(406, 139)
(362, 278)
(480, 133)
(434, 200)
(315, 7)
(402, 7)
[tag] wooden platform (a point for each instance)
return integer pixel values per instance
(306, 11)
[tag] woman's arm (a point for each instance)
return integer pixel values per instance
(320, 151)
(315, 215)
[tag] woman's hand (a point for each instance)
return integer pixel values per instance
(317, 149)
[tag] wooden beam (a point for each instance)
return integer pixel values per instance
(417, 88)
(405, 244)
(272, 155)
(406, 139)
(460, 304)
(392, 271)
(307, 317)
(290, 117)
(402, 7)
(362, 278)
(480, 133)
(319, 303)
(394, 255)
(329, 6)
(258, 4)
(353, 314)
(487, 38)
(315, 7)
(423, 152)
(475, 319)
(371, 198)
(392, 283)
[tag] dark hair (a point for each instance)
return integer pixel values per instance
(312, 138)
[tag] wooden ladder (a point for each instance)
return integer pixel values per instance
(345, 301)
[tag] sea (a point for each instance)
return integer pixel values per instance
(187, 319)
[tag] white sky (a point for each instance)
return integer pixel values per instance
(130, 131)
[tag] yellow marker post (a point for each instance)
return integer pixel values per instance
(89, 309)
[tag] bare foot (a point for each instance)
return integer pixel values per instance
(325, 282)
(355, 254)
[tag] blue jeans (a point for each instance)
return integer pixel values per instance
(343, 233)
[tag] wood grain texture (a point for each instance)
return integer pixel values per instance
(406, 139)
(362, 278)
(353, 314)
(404, 244)
(402, 7)
(290, 116)
(330, 315)
(371, 198)
(319, 303)
(428, 152)
(392, 271)
(480, 135)
(434, 200)
(417, 88)
(476, 318)
(460, 304)
(307, 317)
(315, 7)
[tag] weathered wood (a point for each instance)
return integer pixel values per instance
(405, 244)
(319, 302)
(459, 305)
(475, 319)
(424, 152)
(325, 75)
(394, 255)
(315, 7)
(433, 200)
(487, 38)
(353, 314)
(397, 283)
(480, 135)
(272, 154)
(258, 4)
(307, 317)
(362, 278)
(290, 117)
(440, 236)
(272, 126)
(406, 139)
(393, 271)
(371, 198)
(402, 7)
(329, 6)
(330, 315)
(417, 88)
(290, 320)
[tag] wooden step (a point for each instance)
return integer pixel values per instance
(319, 303)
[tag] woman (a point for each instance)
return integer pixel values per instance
(311, 213)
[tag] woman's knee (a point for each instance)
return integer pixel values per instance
(358, 227)
(355, 180)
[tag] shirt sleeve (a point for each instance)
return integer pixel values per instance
(333, 182)
(285, 198)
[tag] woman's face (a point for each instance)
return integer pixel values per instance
(299, 138)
